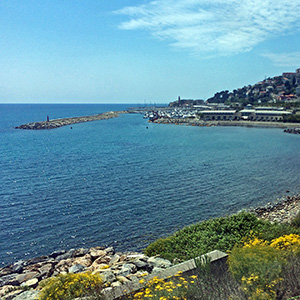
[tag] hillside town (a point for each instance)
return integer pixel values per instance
(274, 99)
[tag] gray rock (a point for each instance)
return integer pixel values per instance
(157, 269)
(140, 264)
(115, 258)
(28, 295)
(127, 269)
(57, 253)
(6, 271)
(33, 283)
(66, 255)
(116, 284)
(36, 260)
(77, 268)
(46, 270)
(108, 276)
(9, 280)
(27, 276)
(159, 262)
(18, 266)
(110, 251)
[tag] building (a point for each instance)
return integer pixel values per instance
(218, 115)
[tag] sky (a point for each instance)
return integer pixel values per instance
(142, 51)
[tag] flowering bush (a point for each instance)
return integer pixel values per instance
(258, 264)
(70, 286)
(161, 289)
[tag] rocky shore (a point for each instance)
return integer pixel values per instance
(56, 123)
(115, 268)
(283, 211)
(290, 127)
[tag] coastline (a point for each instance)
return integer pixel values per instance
(201, 123)
(116, 268)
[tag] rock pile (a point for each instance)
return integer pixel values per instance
(292, 130)
(282, 211)
(51, 124)
(114, 268)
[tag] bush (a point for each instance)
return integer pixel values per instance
(220, 233)
(70, 286)
(257, 266)
(263, 267)
(296, 221)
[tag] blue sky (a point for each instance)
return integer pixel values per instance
(142, 51)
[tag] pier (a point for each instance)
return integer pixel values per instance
(56, 123)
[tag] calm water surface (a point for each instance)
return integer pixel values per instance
(115, 182)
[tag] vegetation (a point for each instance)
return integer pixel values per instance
(220, 233)
(70, 286)
(263, 264)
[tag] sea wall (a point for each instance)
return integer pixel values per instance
(56, 123)
(197, 122)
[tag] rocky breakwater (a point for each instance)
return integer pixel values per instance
(283, 211)
(51, 124)
(114, 268)
(180, 121)
(292, 130)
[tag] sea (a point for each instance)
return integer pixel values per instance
(125, 182)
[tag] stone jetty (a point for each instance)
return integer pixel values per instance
(292, 130)
(115, 269)
(56, 123)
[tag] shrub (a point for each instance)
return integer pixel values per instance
(161, 289)
(263, 267)
(295, 222)
(70, 286)
(257, 266)
(220, 233)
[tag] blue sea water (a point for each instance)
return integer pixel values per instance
(115, 182)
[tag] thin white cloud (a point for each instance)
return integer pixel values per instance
(284, 59)
(214, 27)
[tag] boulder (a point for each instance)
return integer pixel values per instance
(28, 295)
(36, 260)
(32, 283)
(114, 259)
(27, 276)
(101, 260)
(6, 271)
(110, 251)
(57, 253)
(77, 268)
(159, 262)
(127, 269)
(6, 289)
(18, 266)
(96, 253)
(46, 270)
(85, 260)
(140, 264)
(108, 276)
(64, 265)
(9, 280)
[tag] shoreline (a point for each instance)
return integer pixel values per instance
(201, 123)
(116, 268)
(281, 211)
(56, 123)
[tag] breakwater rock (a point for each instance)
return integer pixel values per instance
(51, 124)
(283, 211)
(114, 268)
(292, 130)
